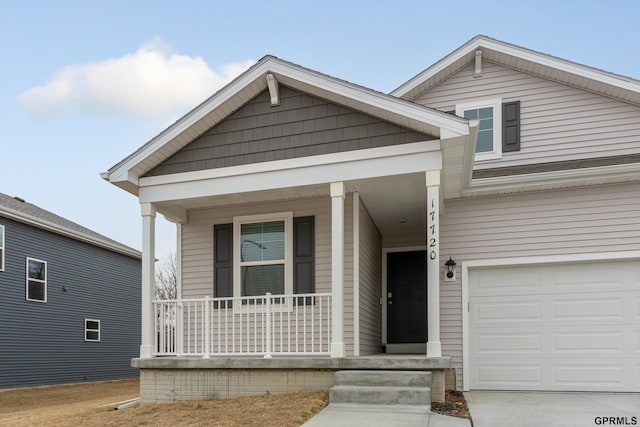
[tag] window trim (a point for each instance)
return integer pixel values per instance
(496, 104)
(86, 329)
(2, 246)
(287, 217)
(45, 281)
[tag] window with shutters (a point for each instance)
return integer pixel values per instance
(498, 128)
(263, 246)
(489, 115)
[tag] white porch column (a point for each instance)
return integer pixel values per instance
(337, 269)
(433, 264)
(148, 212)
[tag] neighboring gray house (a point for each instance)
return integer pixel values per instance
(69, 300)
(521, 168)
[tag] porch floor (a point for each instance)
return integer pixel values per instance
(404, 362)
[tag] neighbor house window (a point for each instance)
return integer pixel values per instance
(92, 330)
(36, 280)
(1, 247)
(262, 254)
(489, 115)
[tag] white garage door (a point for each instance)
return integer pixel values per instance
(555, 327)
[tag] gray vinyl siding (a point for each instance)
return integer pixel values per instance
(197, 247)
(370, 284)
(43, 343)
(558, 122)
(302, 125)
(587, 220)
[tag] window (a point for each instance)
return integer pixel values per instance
(262, 254)
(36, 280)
(1, 247)
(92, 330)
(489, 114)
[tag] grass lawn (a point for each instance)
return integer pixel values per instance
(82, 404)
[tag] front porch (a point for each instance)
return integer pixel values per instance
(169, 379)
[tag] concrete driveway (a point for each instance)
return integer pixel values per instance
(529, 409)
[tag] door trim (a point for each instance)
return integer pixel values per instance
(386, 251)
(501, 262)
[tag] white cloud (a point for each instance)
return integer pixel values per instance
(153, 81)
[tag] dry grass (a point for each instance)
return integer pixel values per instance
(81, 405)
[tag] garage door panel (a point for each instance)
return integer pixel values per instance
(599, 374)
(501, 310)
(508, 342)
(578, 342)
(511, 376)
(578, 328)
(590, 308)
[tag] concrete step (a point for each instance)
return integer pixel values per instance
(381, 395)
(384, 378)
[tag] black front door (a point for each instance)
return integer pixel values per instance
(406, 297)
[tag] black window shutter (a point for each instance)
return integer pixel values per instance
(303, 256)
(511, 126)
(223, 260)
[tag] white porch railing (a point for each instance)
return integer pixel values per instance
(265, 325)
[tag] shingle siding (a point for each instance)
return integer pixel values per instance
(302, 125)
(43, 343)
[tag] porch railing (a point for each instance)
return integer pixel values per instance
(265, 325)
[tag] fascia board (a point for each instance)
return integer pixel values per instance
(121, 171)
(296, 163)
(396, 106)
(63, 231)
(482, 42)
(436, 68)
(581, 176)
(288, 73)
(239, 179)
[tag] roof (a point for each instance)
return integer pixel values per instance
(529, 61)
(19, 210)
(126, 173)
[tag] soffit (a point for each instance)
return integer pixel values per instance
(546, 66)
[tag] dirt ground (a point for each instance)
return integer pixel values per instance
(93, 404)
(454, 405)
(82, 404)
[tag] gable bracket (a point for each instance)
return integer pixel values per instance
(477, 71)
(272, 83)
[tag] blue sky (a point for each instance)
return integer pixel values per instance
(85, 83)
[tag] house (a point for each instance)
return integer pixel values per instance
(69, 298)
(483, 217)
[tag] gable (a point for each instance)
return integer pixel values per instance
(559, 123)
(302, 125)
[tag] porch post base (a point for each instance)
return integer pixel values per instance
(146, 351)
(434, 349)
(337, 349)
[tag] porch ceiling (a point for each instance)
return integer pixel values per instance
(397, 205)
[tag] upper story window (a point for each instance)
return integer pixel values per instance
(262, 259)
(92, 330)
(36, 280)
(489, 114)
(1, 247)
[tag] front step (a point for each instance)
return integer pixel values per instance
(382, 388)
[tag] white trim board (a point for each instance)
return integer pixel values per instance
(467, 266)
(361, 164)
